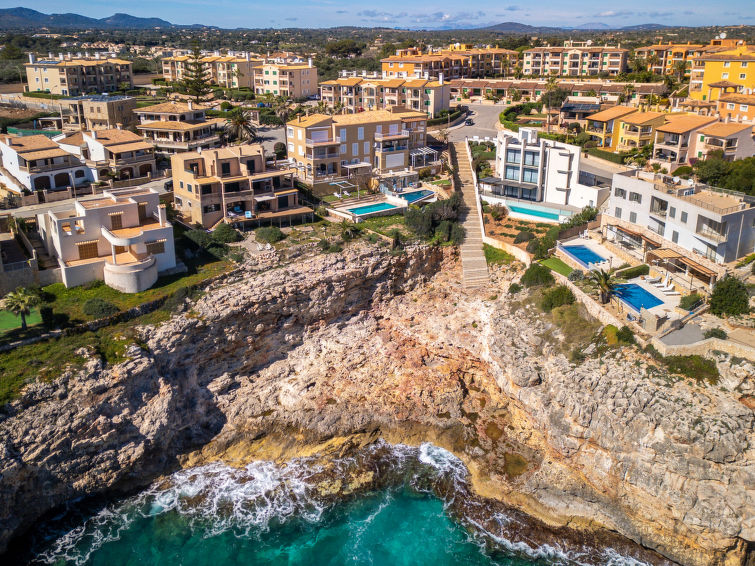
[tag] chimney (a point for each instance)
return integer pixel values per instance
(199, 150)
(309, 62)
(60, 56)
(191, 105)
(118, 126)
(247, 56)
(32, 59)
(440, 78)
(49, 55)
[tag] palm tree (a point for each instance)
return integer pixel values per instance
(240, 126)
(337, 108)
(604, 280)
(281, 109)
(550, 87)
(680, 70)
(322, 107)
(20, 302)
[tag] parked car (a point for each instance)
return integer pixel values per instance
(469, 122)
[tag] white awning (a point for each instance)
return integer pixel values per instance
(356, 165)
(263, 198)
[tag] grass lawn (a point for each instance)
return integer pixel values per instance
(384, 224)
(555, 264)
(9, 321)
(494, 256)
(441, 182)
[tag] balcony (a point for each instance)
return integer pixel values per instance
(711, 234)
(323, 142)
(658, 211)
(391, 148)
(392, 135)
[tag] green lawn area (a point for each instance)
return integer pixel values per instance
(384, 224)
(441, 182)
(555, 264)
(9, 321)
(494, 256)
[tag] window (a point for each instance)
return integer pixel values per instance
(724, 75)
(87, 250)
(156, 247)
(744, 107)
(116, 221)
(675, 236)
(343, 149)
(366, 148)
(683, 217)
(206, 189)
(744, 64)
(635, 197)
(360, 133)
(530, 175)
(513, 156)
(531, 158)
(301, 151)
(342, 134)
(512, 172)
(730, 106)
(727, 64)
(633, 217)
(742, 76)
(617, 212)
(671, 212)
(225, 169)
(188, 187)
(355, 148)
(621, 193)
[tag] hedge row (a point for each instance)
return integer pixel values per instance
(636, 271)
(607, 155)
(446, 119)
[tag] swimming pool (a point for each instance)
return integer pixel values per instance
(635, 297)
(414, 196)
(369, 208)
(583, 255)
(533, 212)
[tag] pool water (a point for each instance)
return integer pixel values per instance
(583, 254)
(414, 196)
(368, 208)
(636, 297)
(533, 212)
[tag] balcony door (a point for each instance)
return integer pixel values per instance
(142, 207)
(116, 221)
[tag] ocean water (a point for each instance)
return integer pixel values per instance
(215, 515)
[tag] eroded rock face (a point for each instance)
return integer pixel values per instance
(365, 344)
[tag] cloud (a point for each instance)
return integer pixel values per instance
(342, 12)
(614, 14)
(510, 9)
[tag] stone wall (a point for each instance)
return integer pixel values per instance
(518, 253)
(704, 348)
(593, 308)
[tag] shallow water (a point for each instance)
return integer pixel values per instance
(270, 514)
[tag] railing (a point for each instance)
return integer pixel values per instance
(711, 234)
(393, 135)
(393, 148)
(51, 167)
(330, 141)
(133, 159)
(662, 212)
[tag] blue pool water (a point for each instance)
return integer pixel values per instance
(636, 297)
(368, 208)
(583, 254)
(533, 212)
(416, 195)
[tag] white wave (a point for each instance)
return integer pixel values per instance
(613, 558)
(441, 459)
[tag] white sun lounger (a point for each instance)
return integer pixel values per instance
(666, 288)
(663, 283)
(346, 193)
(652, 280)
(671, 293)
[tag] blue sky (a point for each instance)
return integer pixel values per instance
(418, 15)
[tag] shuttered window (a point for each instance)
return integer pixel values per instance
(87, 250)
(156, 247)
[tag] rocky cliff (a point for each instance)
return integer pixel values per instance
(362, 345)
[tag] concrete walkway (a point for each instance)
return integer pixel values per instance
(473, 264)
(687, 334)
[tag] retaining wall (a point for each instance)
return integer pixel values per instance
(704, 348)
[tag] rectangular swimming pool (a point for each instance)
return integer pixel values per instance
(635, 297)
(414, 196)
(533, 212)
(368, 208)
(583, 254)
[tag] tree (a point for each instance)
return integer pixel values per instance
(280, 108)
(240, 127)
(20, 302)
(604, 280)
(553, 97)
(680, 70)
(195, 81)
(729, 297)
(344, 48)
(515, 94)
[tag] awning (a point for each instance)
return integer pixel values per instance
(423, 151)
(263, 198)
(356, 165)
(697, 267)
(286, 192)
(665, 253)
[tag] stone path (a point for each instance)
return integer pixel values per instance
(473, 264)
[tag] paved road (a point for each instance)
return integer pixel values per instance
(270, 135)
(484, 117)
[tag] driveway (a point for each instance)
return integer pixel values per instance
(484, 117)
(269, 136)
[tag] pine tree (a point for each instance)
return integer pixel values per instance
(195, 81)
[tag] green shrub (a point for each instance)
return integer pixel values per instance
(177, 298)
(716, 333)
(200, 237)
(685, 172)
(753, 269)
(443, 231)
(556, 297)
(269, 234)
(280, 150)
(48, 317)
(533, 247)
(696, 367)
(523, 237)
(458, 233)
(515, 288)
(225, 234)
(576, 275)
(498, 212)
(610, 333)
(625, 335)
(537, 275)
(635, 271)
(225, 105)
(689, 302)
(747, 260)
(729, 297)
(99, 308)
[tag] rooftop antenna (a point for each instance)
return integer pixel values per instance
(723, 35)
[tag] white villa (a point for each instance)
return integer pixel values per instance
(122, 237)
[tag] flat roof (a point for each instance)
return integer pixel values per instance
(719, 200)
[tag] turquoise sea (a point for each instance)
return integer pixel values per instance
(270, 514)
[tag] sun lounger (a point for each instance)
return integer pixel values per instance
(346, 193)
(663, 283)
(336, 195)
(666, 288)
(652, 280)
(671, 293)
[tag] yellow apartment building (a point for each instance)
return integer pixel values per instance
(736, 107)
(361, 93)
(291, 80)
(176, 126)
(662, 58)
(378, 141)
(76, 76)
(227, 71)
(730, 71)
(233, 184)
(604, 126)
(637, 129)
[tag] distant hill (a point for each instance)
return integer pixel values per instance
(592, 26)
(17, 18)
(516, 27)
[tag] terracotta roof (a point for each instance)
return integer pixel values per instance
(172, 125)
(76, 138)
(311, 120)
(419, 83)
(24, 144)
(244, 150)
(638, 118)
(113, 136)
(133, 146)
(611, 113)
(721, 130)
(679, 124)
(169, 108)
(376, 116)
(738, 98)
(349, 81)
(724, 84)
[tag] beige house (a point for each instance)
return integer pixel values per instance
(123, 238)
(735, 140)
(227, 71)
(637, 129)
(378, 141)
(286, 79)
(455, 62)
(360, 93)
(111, 153)
(91, 112)
(173, 127)
(575, 59)
(233, 184)
(76, 76)
(676, 140)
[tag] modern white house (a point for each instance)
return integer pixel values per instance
(678, 222)
(540, 179)
(734, 139)
(36, 163)
(123, 238)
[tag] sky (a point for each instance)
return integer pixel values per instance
(436, 14)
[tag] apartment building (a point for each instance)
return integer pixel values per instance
(113, 153)
(663, 58)
(729, 71)
(735, 140)
(360, 93)
(233, 184)
(696, 221)
(70, 76)
(123, 238)
(286, 79)
(36, 163)
(95, 112)
(636, 130)
(676, 141)
(575, 59)
(173, 127)
(736, 107)
(458, 61)
(604, 127)
(541, 178)
(380, 140)
(227, 71)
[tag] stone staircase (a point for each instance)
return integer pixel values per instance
(473, 264)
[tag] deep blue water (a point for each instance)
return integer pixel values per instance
(636, 297)
(584, 254)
